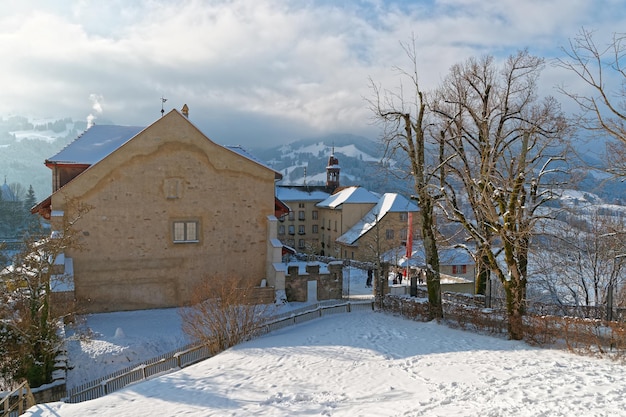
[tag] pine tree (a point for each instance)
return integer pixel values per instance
(32, 223)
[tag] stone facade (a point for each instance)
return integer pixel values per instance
(168, 209)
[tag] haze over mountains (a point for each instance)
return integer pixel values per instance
(25, 144)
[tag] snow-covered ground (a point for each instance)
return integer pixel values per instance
(373, 364)
(353, 364)
(100, 344)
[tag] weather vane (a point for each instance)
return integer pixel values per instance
(163, 100)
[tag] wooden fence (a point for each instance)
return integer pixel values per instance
(194, 353)
(17, 401)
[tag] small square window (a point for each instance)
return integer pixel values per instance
(185, 231)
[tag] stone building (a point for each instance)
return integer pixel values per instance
(169, 208)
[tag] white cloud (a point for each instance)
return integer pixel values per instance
(290, 67)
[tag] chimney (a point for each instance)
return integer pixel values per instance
(185, 111)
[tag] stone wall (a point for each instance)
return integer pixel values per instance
(329, 285)
(49, 394)
(62, 303)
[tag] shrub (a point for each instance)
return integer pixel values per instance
(223, 313)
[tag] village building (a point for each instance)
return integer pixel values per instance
(339, 212)
(300, 229)
(384, 227)
(168, 208)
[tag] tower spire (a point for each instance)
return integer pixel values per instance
(332, 172)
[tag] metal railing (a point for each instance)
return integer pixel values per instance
(195, 352)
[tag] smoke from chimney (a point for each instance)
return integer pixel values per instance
(96, 105)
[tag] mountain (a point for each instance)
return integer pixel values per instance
(26, 143)
(360, 159)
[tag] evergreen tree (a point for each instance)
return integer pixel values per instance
(32, 224)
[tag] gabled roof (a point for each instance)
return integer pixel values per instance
(388, 203)
(350, 195)
(99, 141)
(94, 144)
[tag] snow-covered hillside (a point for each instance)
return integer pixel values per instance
(361, 161)
(323, 149)
(25, 143)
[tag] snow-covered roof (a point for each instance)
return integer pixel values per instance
(99, 141)
(300, 193)
(350, 195)
(388, 203)
(95, 144)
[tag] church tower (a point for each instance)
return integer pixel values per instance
(332, 173)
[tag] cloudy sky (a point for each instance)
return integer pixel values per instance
(258, 72)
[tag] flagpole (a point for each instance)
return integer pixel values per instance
(409, 242)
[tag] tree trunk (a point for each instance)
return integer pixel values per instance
(515, 307)
(433, 280)
(482, 272)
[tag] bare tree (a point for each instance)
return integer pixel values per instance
(18, 190)
(373, 252)
(404, 130)
(223, 313)
(500, 141)
(581, 258)
(603, 107)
